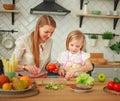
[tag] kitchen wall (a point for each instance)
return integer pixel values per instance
(25, 23)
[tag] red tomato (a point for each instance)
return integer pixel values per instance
(110, 85)
(117, 87)
(51, 67)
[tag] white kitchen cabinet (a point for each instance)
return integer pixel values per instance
(110, 72)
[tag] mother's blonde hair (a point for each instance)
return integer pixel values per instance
(35, 38)
(75, 35)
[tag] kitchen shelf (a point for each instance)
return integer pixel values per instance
(115, 4)
(11, 11)
(109, 65)
(100, 34)
(116, 18)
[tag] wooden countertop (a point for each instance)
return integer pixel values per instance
(109, 65)
(66, 94)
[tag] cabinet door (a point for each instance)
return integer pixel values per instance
(110, 72)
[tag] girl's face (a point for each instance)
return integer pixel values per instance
(46, 32)
(75, 46)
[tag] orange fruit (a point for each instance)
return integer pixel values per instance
(27, 78)
(6, 86)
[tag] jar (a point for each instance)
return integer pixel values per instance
(85, 9)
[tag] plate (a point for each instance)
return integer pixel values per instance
(111, 91)
(81, 89)
(15, 91)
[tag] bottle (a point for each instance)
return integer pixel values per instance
(85, 9)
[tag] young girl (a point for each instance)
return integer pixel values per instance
(74, 60)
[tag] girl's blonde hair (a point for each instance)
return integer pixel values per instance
(35, 38)
(75, 35)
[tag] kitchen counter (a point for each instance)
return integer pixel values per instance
(108, 65)
(67, 94)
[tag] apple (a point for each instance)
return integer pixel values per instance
(101, 77)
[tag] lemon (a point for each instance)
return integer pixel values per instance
(6, 86)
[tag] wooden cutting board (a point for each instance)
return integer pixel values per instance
(98, 58)
(41, 81)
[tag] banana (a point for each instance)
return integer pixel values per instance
(10, 66)
(3, 61)
(7, 66)
(16, 63)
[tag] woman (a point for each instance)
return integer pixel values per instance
(34, 50)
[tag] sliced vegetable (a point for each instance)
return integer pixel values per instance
(53, 86)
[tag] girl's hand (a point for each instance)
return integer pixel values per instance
(70, 74)
(32, 69)
(67, 76)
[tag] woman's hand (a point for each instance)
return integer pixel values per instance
(32, 69)
(61, 72)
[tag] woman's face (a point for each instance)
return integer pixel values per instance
(75, 46)
(46, 32)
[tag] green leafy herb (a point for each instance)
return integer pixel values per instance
(85, 79)
(115, 47)
(93, 36)
(107, 35)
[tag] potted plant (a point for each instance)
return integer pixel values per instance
(115, 47)
(93, 38)
(107, 36)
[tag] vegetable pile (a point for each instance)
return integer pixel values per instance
(114, 84)
(85, 79)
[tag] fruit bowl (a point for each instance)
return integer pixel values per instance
(9, 6)
(12, 91)
(16, 91)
